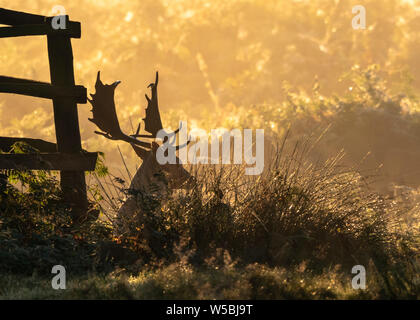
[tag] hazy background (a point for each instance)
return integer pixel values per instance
(220, 62)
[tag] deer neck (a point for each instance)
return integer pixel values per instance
(149, 176)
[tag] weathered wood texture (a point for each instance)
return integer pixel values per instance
(45, 90)
(33, 24)
(50, 161)
(65, 95)
(7, 79)
(72, 30)
(41, 145)
(66, 120)
(14, 18)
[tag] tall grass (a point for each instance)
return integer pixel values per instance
(320, 218)
(296, 212)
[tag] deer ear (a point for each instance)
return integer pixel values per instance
(98, 80)
(115, 84)
(155, 145)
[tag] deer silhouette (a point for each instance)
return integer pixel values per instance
(151, 177)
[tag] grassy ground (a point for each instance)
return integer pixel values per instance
(282, 237)
(179, 281)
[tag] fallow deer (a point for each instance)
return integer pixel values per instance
(151, 177)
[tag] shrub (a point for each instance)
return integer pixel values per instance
(36, 230)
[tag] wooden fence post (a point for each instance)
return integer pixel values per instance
(66, 120)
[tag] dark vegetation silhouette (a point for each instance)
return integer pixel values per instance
(319, 216)
(340, 185)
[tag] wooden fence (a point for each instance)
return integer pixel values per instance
(67, 154)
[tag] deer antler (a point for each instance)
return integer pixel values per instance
(153, 122)
(105, 115)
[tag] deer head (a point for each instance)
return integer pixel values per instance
(105, 118)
